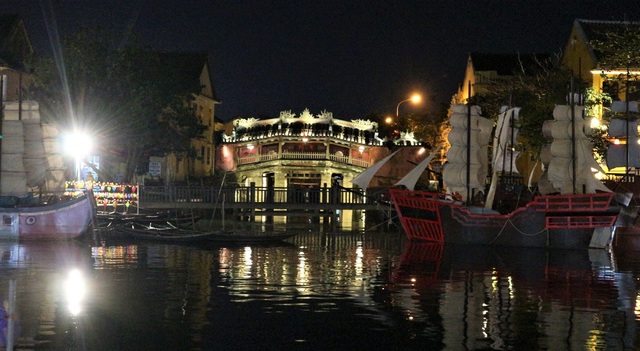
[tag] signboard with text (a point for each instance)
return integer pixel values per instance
(155, 169)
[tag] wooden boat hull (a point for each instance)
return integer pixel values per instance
(63, 220)
(188, 236)
(111, 218)
(562, 221)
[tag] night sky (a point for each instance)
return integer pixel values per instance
(348, 57)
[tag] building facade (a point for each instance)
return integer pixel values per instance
(190, 68)
(15, 49)
(580, 56)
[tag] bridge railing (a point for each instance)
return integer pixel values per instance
(253, 195)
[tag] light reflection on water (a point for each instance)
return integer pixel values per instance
(323, 291)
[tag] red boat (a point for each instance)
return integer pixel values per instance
(574, 209)
(567, 221)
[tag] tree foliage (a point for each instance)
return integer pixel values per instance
(431, 128)
(618, 50)
(537, 90)
(126, 97)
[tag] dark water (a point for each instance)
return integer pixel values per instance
(321, 292)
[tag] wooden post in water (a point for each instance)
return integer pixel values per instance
(10, 313)
(224, 196)
(323, 199)
(252, 201)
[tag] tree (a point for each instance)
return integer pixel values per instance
(125, 97)
(618, 50)
(431, 128)
(536, 89)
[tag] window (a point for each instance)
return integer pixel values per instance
(3, 87)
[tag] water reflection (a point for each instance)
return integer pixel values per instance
(38, 271)
(483, 298)
(322, 291)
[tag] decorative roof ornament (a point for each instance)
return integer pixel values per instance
(285, 115)
(408, 136)
(365, 124)
(245, 122)
(326, 115)
(306, 115)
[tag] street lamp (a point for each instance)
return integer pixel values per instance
(416, 98)
(78, 145)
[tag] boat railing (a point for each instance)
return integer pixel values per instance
(261, 196)
(256, 158)
(573, 202)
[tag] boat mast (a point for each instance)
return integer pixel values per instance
(573, 136)
(626, 125)
(1, 119)
(469, 145)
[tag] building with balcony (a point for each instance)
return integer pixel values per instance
(308, 151)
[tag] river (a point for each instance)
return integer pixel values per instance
(318, 291)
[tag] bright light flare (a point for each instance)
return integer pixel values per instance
(78, 144)
(416, 98)
(75, 291)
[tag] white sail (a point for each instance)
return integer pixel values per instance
(55, 180)
(506, 161)
(626, 154)
(504, 158)
(504, 136)
(363, 179)
(458, 165)
(621, 106)
(34, 155)
(566, 128)
(12, 176)
(410, 180)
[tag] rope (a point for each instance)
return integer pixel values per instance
(518, 230)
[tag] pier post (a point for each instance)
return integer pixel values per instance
(252, 201)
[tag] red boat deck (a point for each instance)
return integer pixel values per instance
(562, 212)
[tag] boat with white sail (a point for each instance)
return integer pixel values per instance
(32, 205)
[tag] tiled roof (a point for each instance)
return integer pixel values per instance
(186, 66)
(507, 64)
(9, 23)
(597, 30)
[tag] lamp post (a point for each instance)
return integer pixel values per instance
(416, 98)
(78, 145)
